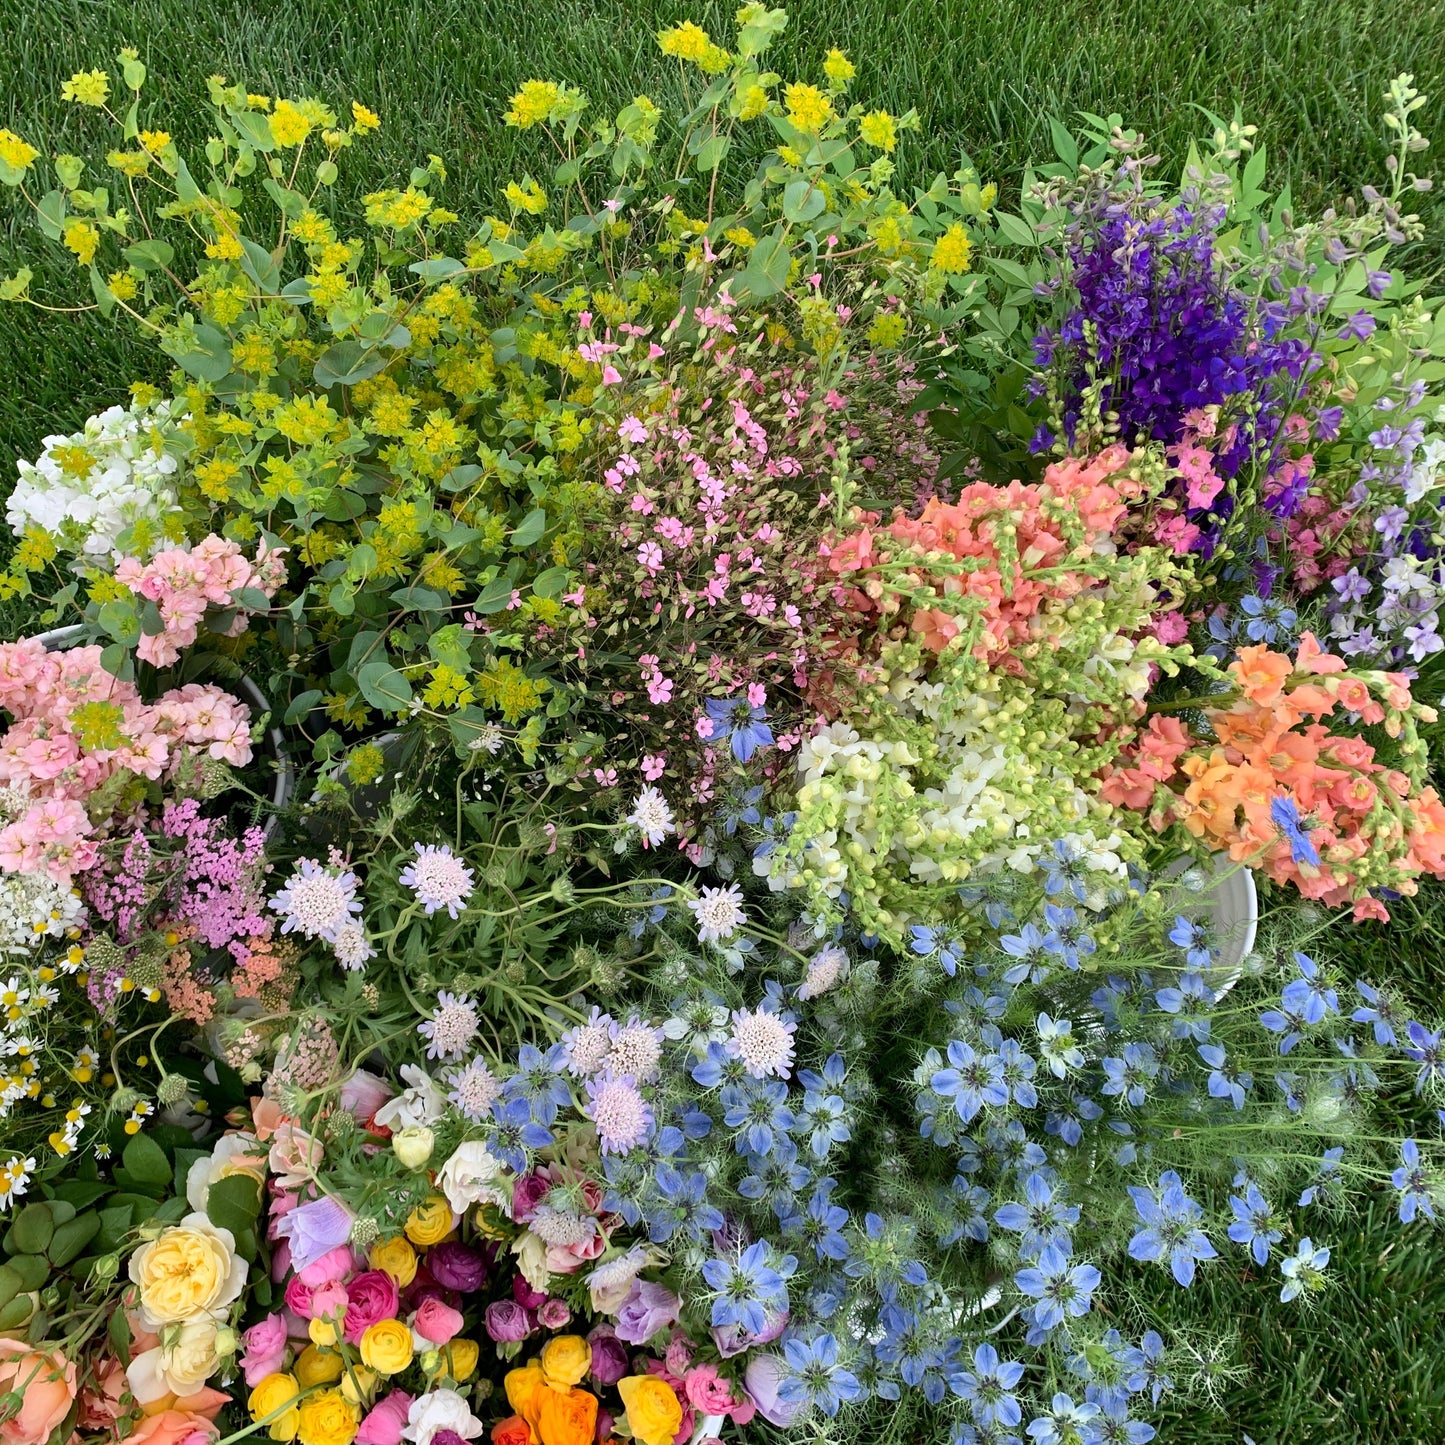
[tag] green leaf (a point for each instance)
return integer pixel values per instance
(467, 725)
(119, 1332)
(50, 214)
(551, 582)
(301, 706)
(421, 599)
(10, 1284)
(118, 618)
(81, 1193)
(102, 293)
(31, 1231)
(17, 1312)
(342, 599)
(348, 362)
(1016, 229)
(436, 268)
(32, 1269)
(802, 201)
(494, 596)
(71, 1238)
(258, 265)
(146, 1161)
(255, 127)
(204, 352)
(768, 264)
(711, 152)
(234, 1202)
(531, 528)
(149, 255)
(1065, 146)
(384, 687)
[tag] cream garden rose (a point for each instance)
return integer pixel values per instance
(191, 1269)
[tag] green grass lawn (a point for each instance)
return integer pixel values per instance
(1366, 1365)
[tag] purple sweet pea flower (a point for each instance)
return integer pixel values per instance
(763, 1379)
(315, 1229)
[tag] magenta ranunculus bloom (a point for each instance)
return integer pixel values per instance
(373, 1297)
(454, 1266)
(383, 1425)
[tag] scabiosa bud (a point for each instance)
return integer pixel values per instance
(172, 1089)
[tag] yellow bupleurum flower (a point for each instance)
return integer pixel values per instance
(952, 251)
(289, 125)
(363, 118)
(528, 196)
(808, 108)
(16, 156)
(878, 130)
(535, 103)
(82, 238)
(86, 87)
(277, 1392)
(838, 68)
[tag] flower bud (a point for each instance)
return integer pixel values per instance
(413, 1145)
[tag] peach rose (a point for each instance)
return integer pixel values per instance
(173, 1427)
(46, 1386)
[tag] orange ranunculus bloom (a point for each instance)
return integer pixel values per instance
(514, 1430)
(568, 1418)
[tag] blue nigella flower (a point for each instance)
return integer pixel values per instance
(1067, 936)
(758, 1110)
(1309, 995)
(743, 810)
(1254, 1224)
(1044, 1220)
(1027, 945)
(815, 1377)
(1303, 1269)
(1171, 1221)
(1426, 1050)
(1146, 1367)
(1383, 1012)
(1414, 1188)
(748, 1287)
(514, 1133)
(1132, 1074)
(1060, 1287)
(989, 1387)
(1064, 866)
(973, 1080)
(1329, 1173)
(1286, 1022)
(940, 943)
(1064, 1423)
(744, 724)
(1115, 1426)
(1225, 1082)
(1286, 817)
(1193, 937)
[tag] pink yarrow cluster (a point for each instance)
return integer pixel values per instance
(185, 583)
(76, 726)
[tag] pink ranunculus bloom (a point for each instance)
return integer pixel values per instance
(383, 1424)
(437, 1322)
(264, 1348)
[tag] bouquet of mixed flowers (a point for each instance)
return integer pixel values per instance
(800, 705)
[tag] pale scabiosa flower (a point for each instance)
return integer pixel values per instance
(438, 878)
(351, 946)
(561, 1227)
(585, 1048)
(652, 817)
(473, 1090)
(636, 1051)
(317, 902)
(718, 912)
(826, 969)
(762, 1042)
(451, 1028)
(621, 1116)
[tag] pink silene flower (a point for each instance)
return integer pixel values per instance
(632, 430)
(642, 503)
(757, 695)
(653, 766)
(649, 554)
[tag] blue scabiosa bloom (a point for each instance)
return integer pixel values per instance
(1062, 1288)
(1255, 1225)
(1171, 1228)
(815, 1377)
(1285, 816)
(742, 723)
(1303, 1270)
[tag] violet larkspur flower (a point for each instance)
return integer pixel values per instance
(439, 879)
(621, 1116)
(1060, 1287)
(746, 725)
(317, 902)
(1285, 816)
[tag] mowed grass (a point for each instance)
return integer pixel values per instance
(1365, 1366)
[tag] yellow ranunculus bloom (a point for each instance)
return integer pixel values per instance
(524, 1389)
(386, 1347)
(328, 1419)
(314, 1368)
(324, 1332)
(359, 1386)
(457, 1359)
(653, 1411)
(565, 1359)
(271, 1394)
(430, 1223)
